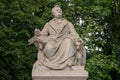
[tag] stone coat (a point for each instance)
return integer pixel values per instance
(59, 44)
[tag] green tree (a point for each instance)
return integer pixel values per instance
(100, 32)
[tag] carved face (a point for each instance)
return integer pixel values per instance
(57, 12)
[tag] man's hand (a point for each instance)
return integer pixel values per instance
(32, 40)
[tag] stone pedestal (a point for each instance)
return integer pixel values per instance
(77, 73)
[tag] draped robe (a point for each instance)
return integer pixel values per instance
(59, 45)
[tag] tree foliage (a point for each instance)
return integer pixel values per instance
(102, 67)
(100, 32)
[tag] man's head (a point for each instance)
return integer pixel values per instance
(57, 12)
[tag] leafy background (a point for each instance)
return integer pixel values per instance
(100, 31)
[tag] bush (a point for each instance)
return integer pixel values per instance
(102, 67)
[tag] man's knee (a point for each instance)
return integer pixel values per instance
(67, 40)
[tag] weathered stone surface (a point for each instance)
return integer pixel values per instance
(61, 52)
(78, 73)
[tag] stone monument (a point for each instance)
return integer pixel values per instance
(61, 52)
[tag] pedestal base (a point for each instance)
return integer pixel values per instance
(75, 74)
